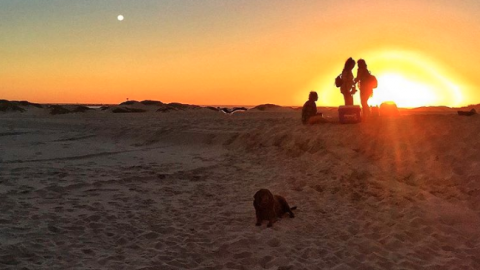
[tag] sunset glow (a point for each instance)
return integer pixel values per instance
(410, 79)
(237, 52)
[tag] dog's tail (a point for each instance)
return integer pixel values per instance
(293, 208)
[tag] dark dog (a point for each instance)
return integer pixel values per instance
(270, 207)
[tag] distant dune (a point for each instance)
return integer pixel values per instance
(431, 109)
(147, 106)
(16, 106)
(271, 108)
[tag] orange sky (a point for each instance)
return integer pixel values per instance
(237, 52)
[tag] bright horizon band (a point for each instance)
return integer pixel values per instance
(236, 52)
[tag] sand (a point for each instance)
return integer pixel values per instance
(99, 190)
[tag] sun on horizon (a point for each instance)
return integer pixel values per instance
(402, 91)
(409, 79)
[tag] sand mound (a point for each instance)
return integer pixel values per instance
(7, 106)
(388, 109)
(144, 102)
(127, 110)
(28, 104)
(178, 107)
(65, 109)
(150, 106)
(17, 106)
(271, 108)
(431, 110)
(38, 109)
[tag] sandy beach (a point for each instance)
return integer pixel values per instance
(174, 190)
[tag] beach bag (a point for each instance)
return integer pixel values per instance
(338, 81)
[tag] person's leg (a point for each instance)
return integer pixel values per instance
(365, 108)
(345, 98)
(350, 100)
(316, 119)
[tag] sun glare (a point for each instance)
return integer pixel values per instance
(410, 79)
(402, 91)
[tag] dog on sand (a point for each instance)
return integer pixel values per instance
(270, 207)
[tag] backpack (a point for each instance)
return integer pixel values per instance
(338, 81)
(372, 80)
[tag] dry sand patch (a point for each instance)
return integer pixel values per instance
(109, 191)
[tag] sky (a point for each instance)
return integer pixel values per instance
(238, 52)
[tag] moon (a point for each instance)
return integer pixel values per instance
(120, 17)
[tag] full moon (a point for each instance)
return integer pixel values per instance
(120, 17)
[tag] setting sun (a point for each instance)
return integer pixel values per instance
(404, 92)
(410, 79)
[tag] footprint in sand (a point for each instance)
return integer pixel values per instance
(318, 188)
(274, 242)
(94, 218)
(264, 261)
(159, 246)
(151, 235)
(242, 255)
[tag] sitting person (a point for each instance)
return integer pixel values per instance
(309, 111)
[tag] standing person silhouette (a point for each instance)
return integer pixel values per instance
(366, 87)
(348, 85)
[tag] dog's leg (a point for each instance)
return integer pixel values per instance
(286, 208)
(271, 220)
(257, 214)
(289, 210)
(259, 220)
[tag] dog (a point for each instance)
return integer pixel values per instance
(270, 207)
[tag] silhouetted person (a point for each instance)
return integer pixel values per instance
(309, 110)
(366, 86)
(348, 85)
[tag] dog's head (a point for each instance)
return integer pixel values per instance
(263, 198)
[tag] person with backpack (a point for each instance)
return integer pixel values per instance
(347, 87)
(367, 83)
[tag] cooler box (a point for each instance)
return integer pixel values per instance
(349, 114)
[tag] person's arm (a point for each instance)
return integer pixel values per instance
(352, 80)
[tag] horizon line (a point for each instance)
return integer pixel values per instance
(223, 105)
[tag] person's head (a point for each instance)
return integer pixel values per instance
(362, 63)
(350, 63)
(313, 96)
